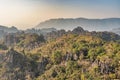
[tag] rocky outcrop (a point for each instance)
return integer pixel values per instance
(16, 66)
(79, 30)
(41, 65)
(13, 64)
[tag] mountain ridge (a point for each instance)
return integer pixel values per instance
(88, 24)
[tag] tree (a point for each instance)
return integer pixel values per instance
(56, 57)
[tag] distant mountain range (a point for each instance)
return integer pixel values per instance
(108, 24)
(76, 54)
(88, 24)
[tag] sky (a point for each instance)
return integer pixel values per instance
(28, 13)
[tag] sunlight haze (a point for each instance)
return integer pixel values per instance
(28, 13)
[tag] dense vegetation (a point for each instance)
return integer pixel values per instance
(72, 55)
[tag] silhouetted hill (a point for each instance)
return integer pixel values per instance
(5, 30)
(9, 30)
(88, 24)
(105, 35)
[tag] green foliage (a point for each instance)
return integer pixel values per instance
(57, 57)
(94, 52)
(70, 57)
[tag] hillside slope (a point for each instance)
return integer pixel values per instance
(80, 57)
(73, 55)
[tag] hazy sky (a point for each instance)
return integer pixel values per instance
(28, 13)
